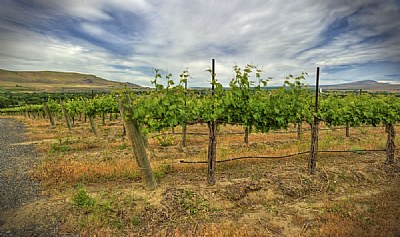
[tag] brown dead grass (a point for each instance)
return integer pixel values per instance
(377, 215)
(353, 191)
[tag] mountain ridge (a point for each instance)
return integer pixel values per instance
(56, 81)
(370, 85)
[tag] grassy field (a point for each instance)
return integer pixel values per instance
(93, 184)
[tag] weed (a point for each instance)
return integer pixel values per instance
(135, 221)
(123, 146)
(66, 141)
(363, 131)
(192, 203)
(117, 224)
(357, 150)
(338, 210)
(165, 140)
(162, 171)
(82, 199)
(55, 147)
(270, 208)
(131, 175)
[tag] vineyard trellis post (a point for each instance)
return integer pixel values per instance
(390, 146)
(312, 162)
(93, 125)
(137, 141)
(246, 135)
(299, 127)
(48, 113)
(212, 143)
(184, 127)
(347, 130)
(66, 117)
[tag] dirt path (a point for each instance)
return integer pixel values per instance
(20, 211)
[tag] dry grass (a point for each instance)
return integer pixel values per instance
(354, 191)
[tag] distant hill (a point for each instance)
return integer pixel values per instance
(368, 85)
(55, 81)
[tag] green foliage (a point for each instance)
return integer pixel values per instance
(162, 171)
(26, 108)
(238, 109)
(82, 199)
(165, 140)
(300, 99)
(55, 147)
(14, 99)
(4, 101)
(357, 150)
(193, 204)
(356, 110)
(245, 103)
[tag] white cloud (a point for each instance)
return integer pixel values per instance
(93, 10)
(281, 37)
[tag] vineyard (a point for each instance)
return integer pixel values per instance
(173, 132)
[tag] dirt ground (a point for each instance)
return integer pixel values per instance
(94, 183)
(19, 213)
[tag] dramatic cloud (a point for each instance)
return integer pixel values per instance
(125, 40)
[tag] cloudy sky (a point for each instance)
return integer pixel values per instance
(123, 40)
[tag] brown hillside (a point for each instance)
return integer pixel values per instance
(55, 81)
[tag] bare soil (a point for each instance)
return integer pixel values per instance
(23, 210)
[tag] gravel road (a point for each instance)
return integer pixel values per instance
(17, 189)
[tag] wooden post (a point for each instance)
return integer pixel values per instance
(42, 114)
(212, 143)
(136, 139)
(347, 130)
(103, 118)
(390, 146)
(312, 162)
(93, 125)
(124, 130)
(48, 114)
(212, 152)
(299, 127)
(184, 127)
(246, 135)
(184, 131)
(66, 117)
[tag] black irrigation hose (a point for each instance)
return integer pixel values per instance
(277, 157)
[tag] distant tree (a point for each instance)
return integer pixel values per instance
(4, 102)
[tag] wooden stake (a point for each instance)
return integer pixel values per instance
(312, 162)
(212, 143)
(66, 117)
(48, 114)
(136, 139)
(93, 125)
(246, 135)
(299, 127)
(184, 127)
(390, 146)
